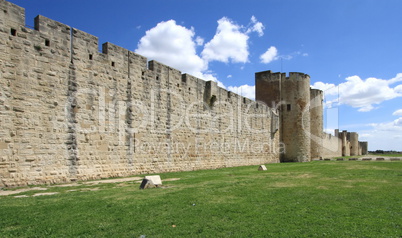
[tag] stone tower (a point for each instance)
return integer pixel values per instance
(291, 95)
(316, 123)
(353, 137)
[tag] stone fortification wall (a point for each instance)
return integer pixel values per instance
(69, 112)
(364, 147)
(332, 146)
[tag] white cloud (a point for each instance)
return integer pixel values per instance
(383, 136)
(229, 76)
(398, 78)
(398, 89)
(363, 94)
(270, 55)
(229, 43)
(256, 27)
(173, 45)
(244, 90)
(397, 112)
(398, 122)
(199, 40)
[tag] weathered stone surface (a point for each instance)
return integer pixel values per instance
(147, 184)
(155, 179)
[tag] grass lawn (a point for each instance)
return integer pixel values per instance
(316, 199)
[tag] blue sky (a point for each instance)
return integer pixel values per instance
(348, 46)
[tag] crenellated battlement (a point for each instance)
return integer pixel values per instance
(81, 47)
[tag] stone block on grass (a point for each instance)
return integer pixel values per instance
(151, 182)
(262, 168)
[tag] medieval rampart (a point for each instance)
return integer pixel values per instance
(69, 112)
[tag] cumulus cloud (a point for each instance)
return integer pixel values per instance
(244, 90)
(397, 112)
(362, 94)
(176, 46)
(270, 55)
(172, 44)
(229, 43)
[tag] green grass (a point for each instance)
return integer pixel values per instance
(317, 199)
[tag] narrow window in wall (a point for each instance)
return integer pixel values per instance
(288, 107)
(13, 32)
(47, 42)
(157, 77)
(113, 64)
(244, 100)
(256, 105)
(90, 56)
(229, 94)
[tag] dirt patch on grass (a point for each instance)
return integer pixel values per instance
(304, 176)
(43, 194)
(88, 183)
(283, 185)
(118, 180)
(171, 179)
(365, 166)
(22, 190)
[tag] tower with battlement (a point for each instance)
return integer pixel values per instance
(301, 118)
(291, 95)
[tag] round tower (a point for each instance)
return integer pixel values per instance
(353, 138)
(295, 98)
(316, 123)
